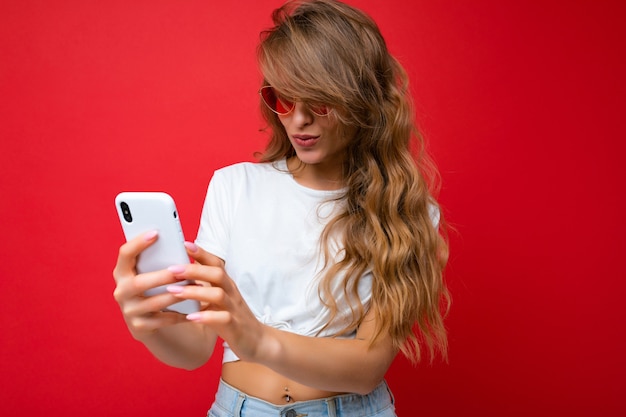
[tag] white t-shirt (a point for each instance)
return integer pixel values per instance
(266, 227)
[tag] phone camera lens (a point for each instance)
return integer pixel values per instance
(126, 212)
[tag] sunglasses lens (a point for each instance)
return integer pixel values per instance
(280, 105)
(276, 103)
(320, 109)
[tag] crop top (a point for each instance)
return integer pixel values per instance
(266, 227)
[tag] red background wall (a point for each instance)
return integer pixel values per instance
(522, 104)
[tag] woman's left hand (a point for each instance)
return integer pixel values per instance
(225, 311)
(326, 363)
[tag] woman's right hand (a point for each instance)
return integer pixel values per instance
(143, 315)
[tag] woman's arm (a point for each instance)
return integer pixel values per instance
(169, 336)
(340, 365)
(186, 345)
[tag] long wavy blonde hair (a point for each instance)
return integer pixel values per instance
(328, 52)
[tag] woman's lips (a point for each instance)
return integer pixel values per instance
(306, 141)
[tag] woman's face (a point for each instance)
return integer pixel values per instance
(315, 138)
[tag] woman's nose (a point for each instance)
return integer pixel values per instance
(302, 114)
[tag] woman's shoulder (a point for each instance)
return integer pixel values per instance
(242, 174)
(251, 168)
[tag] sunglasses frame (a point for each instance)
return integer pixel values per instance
(276, 99)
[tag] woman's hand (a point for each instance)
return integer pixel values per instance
(143, 315)
(224, 309)
(325, 363)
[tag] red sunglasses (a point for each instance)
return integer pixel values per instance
(283, 106)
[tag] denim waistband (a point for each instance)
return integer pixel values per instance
(239, 404)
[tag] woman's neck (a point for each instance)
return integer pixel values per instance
(316, 176)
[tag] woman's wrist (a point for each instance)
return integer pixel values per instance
(269, 348)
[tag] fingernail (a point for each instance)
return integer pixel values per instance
(150, 235)
(194, 316)
(192, 247)
(176, 269)
(174, 289)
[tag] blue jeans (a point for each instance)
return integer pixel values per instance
(230, 402)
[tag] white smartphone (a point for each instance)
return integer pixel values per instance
(141, 212)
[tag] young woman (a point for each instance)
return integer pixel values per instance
(322, 261)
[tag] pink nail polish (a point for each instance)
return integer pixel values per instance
(150, 235)
(193, 248)
(176, 269)
(174, 289)
(194, 316)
